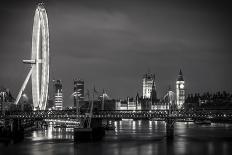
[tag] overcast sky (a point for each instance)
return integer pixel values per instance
(112, 43)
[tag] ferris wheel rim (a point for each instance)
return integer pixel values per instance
(40, 53)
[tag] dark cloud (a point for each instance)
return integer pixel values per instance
(111, 44)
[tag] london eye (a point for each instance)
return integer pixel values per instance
(39, 61)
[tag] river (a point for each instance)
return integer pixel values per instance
(130, 138)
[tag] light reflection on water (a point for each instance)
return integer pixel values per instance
(131, 138)
(52, 133)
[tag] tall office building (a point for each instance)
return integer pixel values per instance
(149, 87)
(180, 90)
(78, 91)
(58, 95)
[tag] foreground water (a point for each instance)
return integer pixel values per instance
(131, 138)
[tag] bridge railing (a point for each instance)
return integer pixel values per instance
(118, 114)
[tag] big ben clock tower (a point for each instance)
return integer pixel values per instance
(180, 90)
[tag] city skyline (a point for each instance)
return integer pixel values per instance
(111, 46)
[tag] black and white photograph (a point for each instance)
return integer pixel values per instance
(115, 77)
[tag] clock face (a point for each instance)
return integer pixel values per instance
(181, 86)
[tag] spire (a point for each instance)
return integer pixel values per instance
(153, 83)
(169, 87)
(137, 96)
(180, 76)
(180, 73)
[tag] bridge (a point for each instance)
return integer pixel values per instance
(16, 121)
(121, 114)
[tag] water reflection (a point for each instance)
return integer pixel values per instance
(52, 133)
(142, 137)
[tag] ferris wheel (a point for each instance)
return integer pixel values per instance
(39, 71)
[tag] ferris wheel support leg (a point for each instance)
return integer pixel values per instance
(23, 86)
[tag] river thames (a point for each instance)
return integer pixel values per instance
(130, 138)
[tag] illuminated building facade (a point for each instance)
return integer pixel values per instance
(129, 104)
(180, 90)
(78, 91)
(58, 95)
(3, 97)
(6, 99)
(149, 87)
